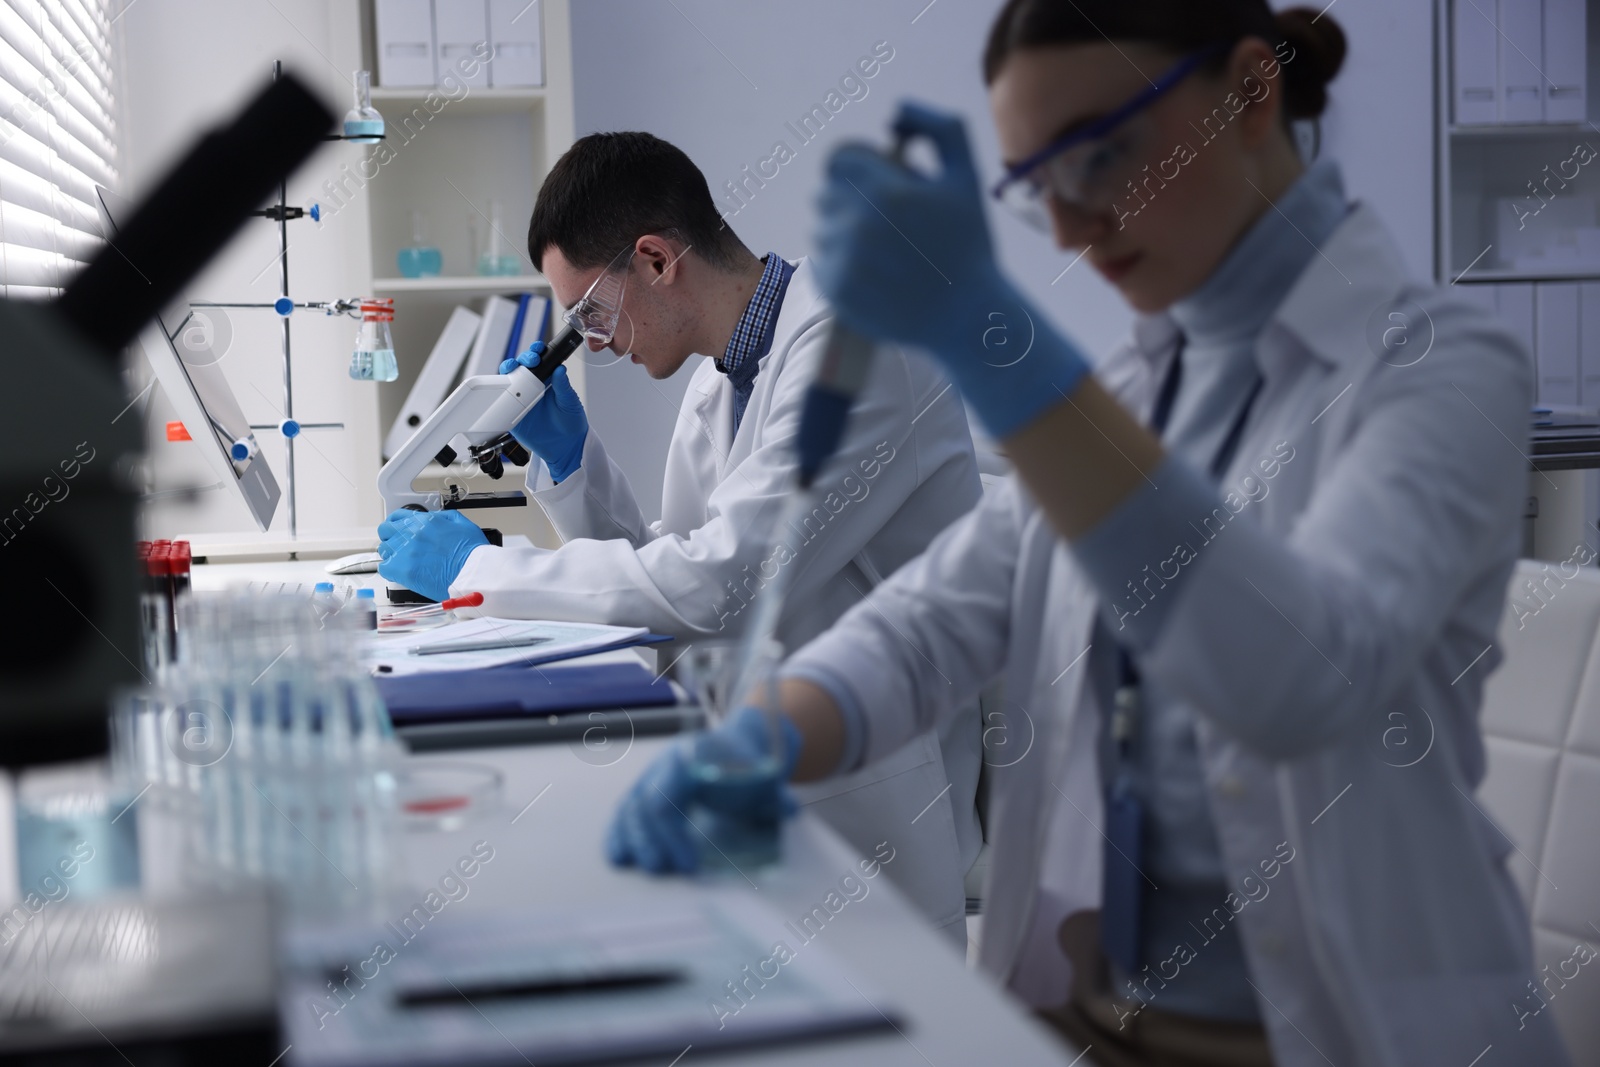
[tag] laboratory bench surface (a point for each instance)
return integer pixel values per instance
(547, 836)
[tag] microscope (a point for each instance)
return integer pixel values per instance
(482, 409)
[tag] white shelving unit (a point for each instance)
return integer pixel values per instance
(1485, 167)
(1518, 218)
(451, 160)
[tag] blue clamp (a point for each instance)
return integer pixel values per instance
(239, 450)
(283, 306)
(289, 428)
(316, 212)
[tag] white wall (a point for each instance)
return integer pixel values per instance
(189, 64)
(721, 78)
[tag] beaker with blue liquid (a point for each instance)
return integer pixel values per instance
(741, 829)
(373, 359)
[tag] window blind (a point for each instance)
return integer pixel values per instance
(58, 137)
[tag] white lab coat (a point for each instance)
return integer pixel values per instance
(904, 471)
(1361, 594)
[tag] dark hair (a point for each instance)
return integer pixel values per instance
(610, 189)
(1183, 26)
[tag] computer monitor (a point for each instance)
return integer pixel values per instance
(179, 348)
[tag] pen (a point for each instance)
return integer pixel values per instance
(544, 986)
(480, 644)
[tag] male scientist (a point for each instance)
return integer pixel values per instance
(904, 471)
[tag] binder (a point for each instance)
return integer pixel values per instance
(1556, 337)
(404, 32)
(461, 31)
(1589, 344)
(1514, 305)
(534, 326)
(437, 376)
(519, 692)
(1565, 80)
(499, 315)
(1521, 59)
(1475, 60)
(514, 33)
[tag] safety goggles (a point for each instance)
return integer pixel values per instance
(596, 313)
(1088, 167)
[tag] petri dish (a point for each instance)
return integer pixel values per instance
(446, 796)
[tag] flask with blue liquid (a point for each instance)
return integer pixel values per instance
(419, 259)
(362, 123)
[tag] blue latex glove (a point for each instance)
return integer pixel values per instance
(556, 427)
(905, 256)
(651, 827)
(425, 550)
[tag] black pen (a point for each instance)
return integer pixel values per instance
(543, 986)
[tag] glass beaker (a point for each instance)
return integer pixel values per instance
(497, 258)
(362, 123)
(75, 833)
(373, 359)
(420, 259)
(740, 829)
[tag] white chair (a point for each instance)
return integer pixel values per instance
(1541, 719)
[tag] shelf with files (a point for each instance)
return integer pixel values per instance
(469, 159)
(468, 283)
(1517, 181)
(467, 101)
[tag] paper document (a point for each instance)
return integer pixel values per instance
(576, 985)
(490, 642)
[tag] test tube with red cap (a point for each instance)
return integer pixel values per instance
(179, 564)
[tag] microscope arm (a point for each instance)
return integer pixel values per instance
(481, 409)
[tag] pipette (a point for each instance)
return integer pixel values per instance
(846, 361)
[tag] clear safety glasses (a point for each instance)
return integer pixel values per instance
(596, 314)
(1089, 167)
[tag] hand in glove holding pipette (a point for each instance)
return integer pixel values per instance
(557, 427)
(651, 828)
(425, 550)
(906, 256)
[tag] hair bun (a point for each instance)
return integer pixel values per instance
(1319, 50)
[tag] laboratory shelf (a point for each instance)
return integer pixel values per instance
(471, 283)
(1519, 129)
(1480, 276)
(475, 102)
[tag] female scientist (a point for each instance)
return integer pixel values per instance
(1243, 552)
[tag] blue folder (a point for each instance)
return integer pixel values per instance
(510, 693)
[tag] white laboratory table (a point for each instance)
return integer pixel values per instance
(547, 838)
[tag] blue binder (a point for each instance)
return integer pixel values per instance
(511, 693)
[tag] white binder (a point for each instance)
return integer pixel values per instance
(405, 43)
(499, 315)
(1589, 344)
(1566, 82)
(514, 34)
(1556, 335)
(1521, 59)
(1475, 66)
(461, 31)
(437, 376)
(1514, 304)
